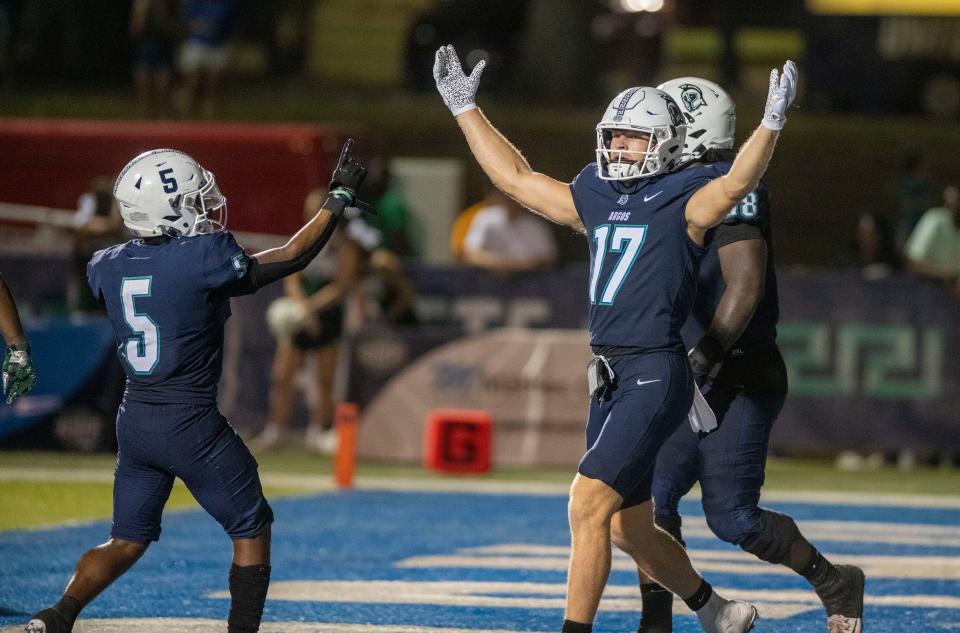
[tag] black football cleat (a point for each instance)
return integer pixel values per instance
(48, 621)
(843, 600)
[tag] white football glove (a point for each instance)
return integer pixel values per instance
(458, 90)
(782, 91)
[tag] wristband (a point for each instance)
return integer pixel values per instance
(335, 205)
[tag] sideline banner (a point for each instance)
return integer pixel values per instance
(532, 382)
(872, 366)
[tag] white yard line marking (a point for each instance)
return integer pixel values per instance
(772, 604)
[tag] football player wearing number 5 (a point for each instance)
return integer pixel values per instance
(646, 226)
(167, 294)
(735, 359)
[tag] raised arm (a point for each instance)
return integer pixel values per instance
(500, 160)
(273, 264)
(708, 206)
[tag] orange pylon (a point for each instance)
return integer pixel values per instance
(346, 419)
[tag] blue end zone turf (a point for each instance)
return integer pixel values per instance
(477, 561)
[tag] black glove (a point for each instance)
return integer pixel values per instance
(705, 359)
(347, 176)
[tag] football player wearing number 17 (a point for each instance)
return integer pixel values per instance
(167, 294)
(646, 225)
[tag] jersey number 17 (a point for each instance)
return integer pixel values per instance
(625, 240)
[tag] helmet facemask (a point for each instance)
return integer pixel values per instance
(625, 164)
(208, 205)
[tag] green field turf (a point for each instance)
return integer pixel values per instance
(42, 493)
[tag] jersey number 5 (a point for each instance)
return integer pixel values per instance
(142, 350)
(627, 241)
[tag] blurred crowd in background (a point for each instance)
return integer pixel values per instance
(879, 94)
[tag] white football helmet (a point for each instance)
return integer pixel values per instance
(709, 111)
(648, 111)
(166, 192)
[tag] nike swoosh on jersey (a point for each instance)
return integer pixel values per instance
(647, 198)
(647, 382)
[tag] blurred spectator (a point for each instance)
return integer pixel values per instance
(916, 195)
(392, 290)
(153, 31)
(206, 56)
(393, 219)
(502, 238)
(309, 321)
(96, 225)
(461, 226)
(933, 249)
(871, 247)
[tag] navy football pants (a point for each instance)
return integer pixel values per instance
(729, 463)
(158, 442)
(653, 394)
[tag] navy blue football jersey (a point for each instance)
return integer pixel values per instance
(643, 264)
(168, 303)
(749, 220)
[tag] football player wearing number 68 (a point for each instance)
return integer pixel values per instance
(646, 225)
(167, 294)
(735, 360)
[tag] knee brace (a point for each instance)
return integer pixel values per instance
(774, 543)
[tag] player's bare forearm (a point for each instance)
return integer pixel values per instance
(10, 326)
(743, 265)
(301, 242)
(509, 171)
(711, 203)
(500, 160)
(749, 166)
(733, 314)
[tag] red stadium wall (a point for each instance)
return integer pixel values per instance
(264, 170)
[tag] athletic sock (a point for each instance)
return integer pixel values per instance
(569, 626)
(700, 597)
(657, 614)
(248, 592)
(69, 607)
(819, 571)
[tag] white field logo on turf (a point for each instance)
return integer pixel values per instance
(772, 604)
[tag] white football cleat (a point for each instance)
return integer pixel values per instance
(726, 616)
